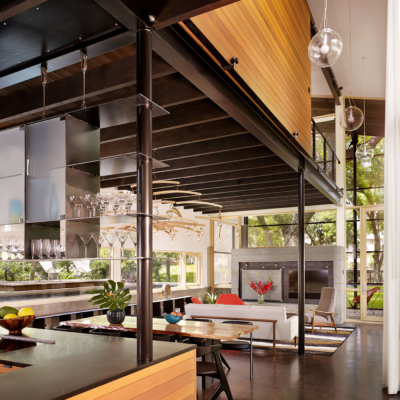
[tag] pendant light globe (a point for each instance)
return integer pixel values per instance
(325, 48)
(351, 118)
(365, 154)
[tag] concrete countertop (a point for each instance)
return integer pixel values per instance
(77, 363)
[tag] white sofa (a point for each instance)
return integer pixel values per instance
(286, 328)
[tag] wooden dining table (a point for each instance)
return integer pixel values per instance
(185, 328)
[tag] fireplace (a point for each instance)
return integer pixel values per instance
(285, 277)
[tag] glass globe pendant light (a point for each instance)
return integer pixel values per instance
(352, 117)
(365, 152)
(326, 46)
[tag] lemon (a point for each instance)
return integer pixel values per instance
(9, 316)
(24, 312)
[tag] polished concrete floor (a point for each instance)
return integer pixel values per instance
(353, 372)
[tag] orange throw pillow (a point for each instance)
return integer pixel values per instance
(195, 300)
(230, 299)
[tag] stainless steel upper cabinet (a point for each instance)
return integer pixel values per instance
(12, 170)
(51, 145)
(45, 180)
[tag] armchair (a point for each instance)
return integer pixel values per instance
(323, 315)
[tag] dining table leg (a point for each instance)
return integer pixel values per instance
(251, 356)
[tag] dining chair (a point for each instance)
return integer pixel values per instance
(213, 369)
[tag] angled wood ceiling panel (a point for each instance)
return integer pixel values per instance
(270, 38)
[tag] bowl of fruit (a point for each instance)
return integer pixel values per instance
(14, 321)
(174, 317)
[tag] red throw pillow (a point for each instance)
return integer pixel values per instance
(195, 300)
(230, 299)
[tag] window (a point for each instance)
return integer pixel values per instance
(369, 182)
(224, 242)
(280, 230)
(193, 268)
(167, 268)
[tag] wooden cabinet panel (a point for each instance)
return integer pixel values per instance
(174, 379)
(270, 38)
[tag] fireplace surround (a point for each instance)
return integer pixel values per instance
(319, 274)
(286, 255)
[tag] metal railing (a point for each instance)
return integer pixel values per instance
(323, 153)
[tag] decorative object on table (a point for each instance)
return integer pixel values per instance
(260, 288)
(326, 46)
(166, 290)
(172, 319)
(210, 298)
(114, 297)
(15, 321)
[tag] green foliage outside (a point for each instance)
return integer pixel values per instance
(32, 271)
(376, 302)
(166, 267)
(280, 230)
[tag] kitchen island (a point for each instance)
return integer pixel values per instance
(84, 366)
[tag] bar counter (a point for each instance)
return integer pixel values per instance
(79, 363)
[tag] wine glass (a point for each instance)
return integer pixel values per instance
(20, 248)
(129, 202)
(132, 236)
(86, 238)
(122, 237)
(98, 239)
(12, 250)
(111, 239)
(77, 202)
(115, 205)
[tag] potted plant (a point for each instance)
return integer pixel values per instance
(113, 297)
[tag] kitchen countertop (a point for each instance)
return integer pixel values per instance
(77, 363)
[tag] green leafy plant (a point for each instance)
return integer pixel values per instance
(113, 296)
(211, 298)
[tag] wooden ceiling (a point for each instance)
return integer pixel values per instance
(374, 109)
(206, 149)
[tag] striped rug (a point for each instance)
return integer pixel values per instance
(324, 341)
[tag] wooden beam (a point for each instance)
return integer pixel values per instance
(199, 173)
(99, 81)
(268, 181)
(266, 206)
(249, 194)
(16, 7)
(217, 177)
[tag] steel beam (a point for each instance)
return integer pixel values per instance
(144, 199)
(302, 263)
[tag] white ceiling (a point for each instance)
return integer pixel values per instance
(368, 39)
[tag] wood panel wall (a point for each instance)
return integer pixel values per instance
(270, 38)
(174, 379)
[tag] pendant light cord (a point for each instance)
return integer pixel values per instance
(363, 58)
(324, 22)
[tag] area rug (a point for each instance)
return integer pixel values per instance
(324, 341)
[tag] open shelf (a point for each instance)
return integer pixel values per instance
(124, 164)
(117, 112)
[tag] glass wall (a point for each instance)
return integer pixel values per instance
(280, 230)
(224, 242)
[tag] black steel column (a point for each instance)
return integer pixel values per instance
(355, 267)
(144, 140)
(302, 263)
(245, 233)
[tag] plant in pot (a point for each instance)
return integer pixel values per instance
(113, 297)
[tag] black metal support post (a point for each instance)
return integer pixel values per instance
(245, 233)
(355, 267)
(144, 131)
(302, 262)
